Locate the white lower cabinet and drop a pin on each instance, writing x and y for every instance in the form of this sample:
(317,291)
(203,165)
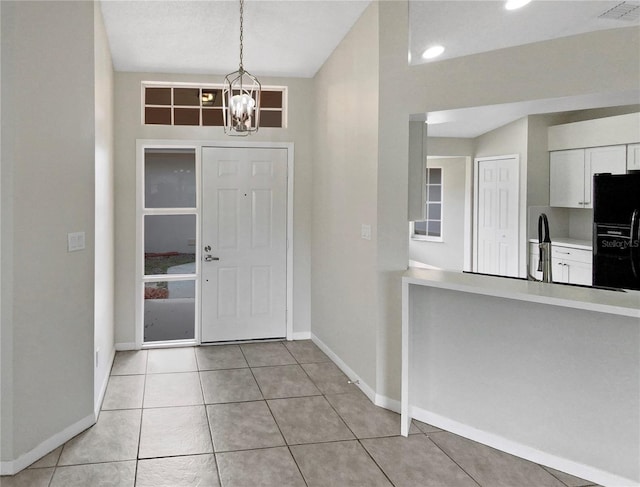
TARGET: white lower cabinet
(569,265)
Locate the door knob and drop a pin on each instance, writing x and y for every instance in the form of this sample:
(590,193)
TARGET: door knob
(210,258)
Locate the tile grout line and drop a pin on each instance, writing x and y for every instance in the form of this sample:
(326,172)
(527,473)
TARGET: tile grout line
(453,460)
(345,423)
(368,453)
(358,440)
(286,443)
(209,425)
(144,389)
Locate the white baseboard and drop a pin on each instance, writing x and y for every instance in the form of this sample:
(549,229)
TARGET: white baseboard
(586,472)
(103,387)
(12,467)
(353,377)
(387,403)
(122,347)
(301,335)
(377,399)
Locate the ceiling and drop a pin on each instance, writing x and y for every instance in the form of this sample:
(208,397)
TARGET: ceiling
(293,38)
(290,38)
(470,27)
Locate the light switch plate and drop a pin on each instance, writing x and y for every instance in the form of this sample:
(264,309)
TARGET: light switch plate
(75,241)
(365,232)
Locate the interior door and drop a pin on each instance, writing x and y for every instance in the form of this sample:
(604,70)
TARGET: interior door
(244,238)
(497,216)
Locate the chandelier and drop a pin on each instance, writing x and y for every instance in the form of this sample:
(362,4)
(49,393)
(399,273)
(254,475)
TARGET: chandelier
(241,97)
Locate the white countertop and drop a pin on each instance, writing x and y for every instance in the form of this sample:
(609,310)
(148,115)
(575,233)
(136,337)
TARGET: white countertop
(590,299)
(568,242)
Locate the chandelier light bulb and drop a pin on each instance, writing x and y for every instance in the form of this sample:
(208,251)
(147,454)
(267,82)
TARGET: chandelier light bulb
(242,107)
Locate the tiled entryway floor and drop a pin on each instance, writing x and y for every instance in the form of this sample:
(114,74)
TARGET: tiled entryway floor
(265,414)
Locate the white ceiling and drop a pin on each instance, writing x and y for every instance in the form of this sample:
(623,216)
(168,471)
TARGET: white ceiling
(470,27)
(281,38)
(293,38)
(474,121)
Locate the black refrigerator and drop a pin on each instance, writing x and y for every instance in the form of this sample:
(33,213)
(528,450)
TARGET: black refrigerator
(616,230)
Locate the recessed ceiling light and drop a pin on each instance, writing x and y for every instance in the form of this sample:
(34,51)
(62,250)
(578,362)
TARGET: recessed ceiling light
(515,4)
(433,51)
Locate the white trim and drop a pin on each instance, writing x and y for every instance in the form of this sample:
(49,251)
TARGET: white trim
(406,349)
(387,403)
(377,399)
(140,278)
(290,181)
(12,467)
(103,388)
(353,377)
(586,472)
(126,346)
(468,214)
(170,344)
(300,335)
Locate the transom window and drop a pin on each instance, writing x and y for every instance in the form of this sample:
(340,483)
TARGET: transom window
(201,105)
(431,228)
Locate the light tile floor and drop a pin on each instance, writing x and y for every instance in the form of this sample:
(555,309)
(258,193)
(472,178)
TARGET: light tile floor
(262,414)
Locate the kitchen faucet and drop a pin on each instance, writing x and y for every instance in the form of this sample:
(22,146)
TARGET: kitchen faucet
(544,244)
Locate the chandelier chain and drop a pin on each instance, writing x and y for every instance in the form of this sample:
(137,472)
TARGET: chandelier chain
(241,36)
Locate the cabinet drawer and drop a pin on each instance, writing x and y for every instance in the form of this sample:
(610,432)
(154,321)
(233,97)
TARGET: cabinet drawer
(569,253)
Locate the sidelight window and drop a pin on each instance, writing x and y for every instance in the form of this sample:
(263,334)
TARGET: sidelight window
(169,224)
(431,228)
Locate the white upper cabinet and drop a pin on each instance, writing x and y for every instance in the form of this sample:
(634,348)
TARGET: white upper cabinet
(566,177)
(633,157)
(598,160)
(571,173)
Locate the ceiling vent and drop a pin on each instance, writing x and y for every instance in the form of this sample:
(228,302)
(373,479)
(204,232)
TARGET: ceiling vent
(629,11)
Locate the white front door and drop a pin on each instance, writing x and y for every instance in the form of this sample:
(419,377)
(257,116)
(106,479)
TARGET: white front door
(244,240)
(497,216)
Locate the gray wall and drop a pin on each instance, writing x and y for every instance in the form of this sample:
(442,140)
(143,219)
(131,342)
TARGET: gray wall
(104,217)
(48,180)
(344,293)
(129,128)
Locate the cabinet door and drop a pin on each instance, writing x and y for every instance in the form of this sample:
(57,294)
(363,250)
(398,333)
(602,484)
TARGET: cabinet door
(612,159)
(559,271)
(578,272)
(566,178)
(633,157)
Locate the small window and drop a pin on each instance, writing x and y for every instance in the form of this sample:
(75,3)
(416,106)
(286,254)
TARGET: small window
(201,105)
(431,228)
